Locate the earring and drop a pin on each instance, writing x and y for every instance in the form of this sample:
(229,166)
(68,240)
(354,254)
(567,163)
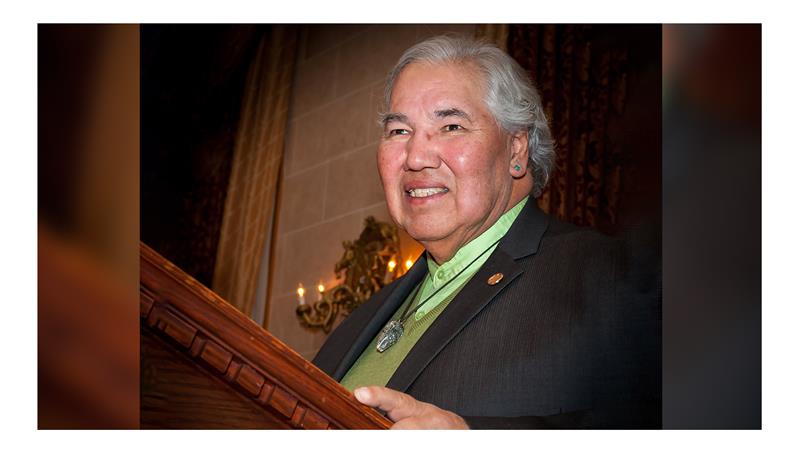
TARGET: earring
(517,167)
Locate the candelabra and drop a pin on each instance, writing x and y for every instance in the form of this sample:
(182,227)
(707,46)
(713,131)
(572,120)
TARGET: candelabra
(368,264)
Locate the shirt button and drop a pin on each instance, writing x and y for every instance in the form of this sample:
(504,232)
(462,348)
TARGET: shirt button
(440,275)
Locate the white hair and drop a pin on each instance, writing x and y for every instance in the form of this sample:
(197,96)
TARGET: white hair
(510,95)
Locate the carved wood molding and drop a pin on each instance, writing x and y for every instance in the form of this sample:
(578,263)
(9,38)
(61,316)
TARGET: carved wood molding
(214,334)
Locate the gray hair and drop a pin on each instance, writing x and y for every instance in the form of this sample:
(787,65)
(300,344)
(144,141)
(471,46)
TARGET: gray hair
(510,95)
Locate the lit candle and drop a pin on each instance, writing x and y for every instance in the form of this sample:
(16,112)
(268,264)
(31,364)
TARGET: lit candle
(387,278)
(300,292)
(321,290)
(409,263)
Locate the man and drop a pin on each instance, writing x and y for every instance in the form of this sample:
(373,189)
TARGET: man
(510,319)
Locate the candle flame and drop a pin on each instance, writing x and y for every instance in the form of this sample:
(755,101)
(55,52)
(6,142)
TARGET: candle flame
(392,265)
(409,263)
(300,290)
(321,287)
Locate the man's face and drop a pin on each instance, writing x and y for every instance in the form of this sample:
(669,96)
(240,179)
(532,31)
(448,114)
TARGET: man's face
(444,162)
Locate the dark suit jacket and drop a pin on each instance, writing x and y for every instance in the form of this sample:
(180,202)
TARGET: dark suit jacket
(560,342)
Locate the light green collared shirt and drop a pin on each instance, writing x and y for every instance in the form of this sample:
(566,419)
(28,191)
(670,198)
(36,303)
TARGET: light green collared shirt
(373,368)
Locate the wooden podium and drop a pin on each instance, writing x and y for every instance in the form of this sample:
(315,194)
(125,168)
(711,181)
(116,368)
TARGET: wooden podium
(204,364)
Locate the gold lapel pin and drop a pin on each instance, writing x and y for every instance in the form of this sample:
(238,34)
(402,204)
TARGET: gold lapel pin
(494,279)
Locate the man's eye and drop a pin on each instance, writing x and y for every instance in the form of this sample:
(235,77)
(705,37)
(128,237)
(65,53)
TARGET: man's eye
(453,127)
(397,132)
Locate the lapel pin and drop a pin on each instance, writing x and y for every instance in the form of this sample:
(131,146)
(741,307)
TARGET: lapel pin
(494,279)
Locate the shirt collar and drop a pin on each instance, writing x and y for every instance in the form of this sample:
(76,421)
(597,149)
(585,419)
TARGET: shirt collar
(466,254)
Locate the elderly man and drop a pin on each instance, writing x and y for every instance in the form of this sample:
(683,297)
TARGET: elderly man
(510,319)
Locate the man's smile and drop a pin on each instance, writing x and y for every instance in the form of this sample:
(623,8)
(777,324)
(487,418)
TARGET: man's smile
(426,192)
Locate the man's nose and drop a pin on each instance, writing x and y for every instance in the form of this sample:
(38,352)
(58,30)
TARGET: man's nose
(421,152)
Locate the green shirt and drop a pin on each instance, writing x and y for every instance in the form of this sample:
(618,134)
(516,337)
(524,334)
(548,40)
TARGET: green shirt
(373,368)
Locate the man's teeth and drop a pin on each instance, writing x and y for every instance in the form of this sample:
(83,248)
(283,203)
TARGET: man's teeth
(427,192)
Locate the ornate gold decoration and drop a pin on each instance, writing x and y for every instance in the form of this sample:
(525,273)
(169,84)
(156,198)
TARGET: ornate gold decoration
(366,268)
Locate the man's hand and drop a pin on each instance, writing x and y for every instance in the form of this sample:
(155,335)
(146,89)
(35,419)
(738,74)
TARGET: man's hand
(407,413)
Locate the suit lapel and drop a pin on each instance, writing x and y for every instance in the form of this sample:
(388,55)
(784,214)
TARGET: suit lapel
(470,301)
(522,240)
(385,309)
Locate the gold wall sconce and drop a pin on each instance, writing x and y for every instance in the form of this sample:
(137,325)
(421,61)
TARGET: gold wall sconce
(368,264)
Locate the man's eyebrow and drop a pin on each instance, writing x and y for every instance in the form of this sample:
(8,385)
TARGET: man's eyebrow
(394,117)
(452,112)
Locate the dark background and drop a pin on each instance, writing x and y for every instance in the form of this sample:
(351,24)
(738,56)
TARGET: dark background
(192,82)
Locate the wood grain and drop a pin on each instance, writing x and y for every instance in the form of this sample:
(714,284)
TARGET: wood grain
(206,365)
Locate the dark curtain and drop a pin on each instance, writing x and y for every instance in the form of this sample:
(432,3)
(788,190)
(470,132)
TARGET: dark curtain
(582,73)
(192,83)
(250,205)
(601,91)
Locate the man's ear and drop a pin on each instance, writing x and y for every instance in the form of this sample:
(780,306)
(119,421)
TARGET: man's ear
(519,154)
